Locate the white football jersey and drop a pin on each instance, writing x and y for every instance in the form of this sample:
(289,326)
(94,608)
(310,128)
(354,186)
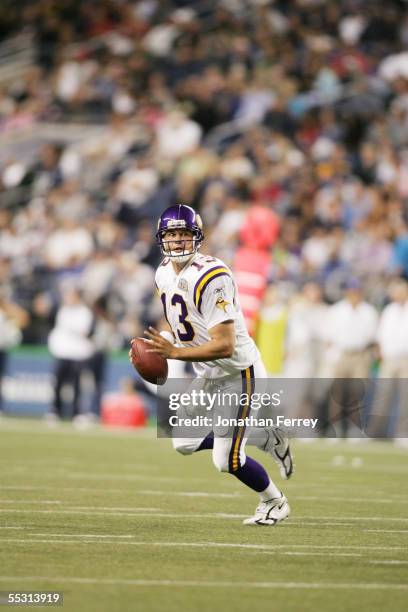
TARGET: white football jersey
(201,296)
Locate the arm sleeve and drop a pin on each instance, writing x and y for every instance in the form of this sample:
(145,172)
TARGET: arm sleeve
(218,304)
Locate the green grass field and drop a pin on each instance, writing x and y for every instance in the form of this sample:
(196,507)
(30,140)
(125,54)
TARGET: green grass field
(118,521)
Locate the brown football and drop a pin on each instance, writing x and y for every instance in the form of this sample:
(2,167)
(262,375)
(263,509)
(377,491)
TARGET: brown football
(151,367)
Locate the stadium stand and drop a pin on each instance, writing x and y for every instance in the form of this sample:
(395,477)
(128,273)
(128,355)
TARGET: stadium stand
(112,110)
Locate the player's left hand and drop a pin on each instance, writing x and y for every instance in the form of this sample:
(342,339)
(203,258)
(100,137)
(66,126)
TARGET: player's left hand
(160,345)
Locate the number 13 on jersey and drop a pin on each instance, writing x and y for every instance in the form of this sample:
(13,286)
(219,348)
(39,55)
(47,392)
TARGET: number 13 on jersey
(186,331)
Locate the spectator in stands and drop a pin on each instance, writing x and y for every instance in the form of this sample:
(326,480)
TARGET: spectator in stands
(400,255)
(98,275)
(177,135)
(68,245)
(299,108)
(305,333)
(71,346)
(134,187)
(47,174)
(304,351)
(351,326)
(104,339)
(13,319)
(133,287)
(391,386)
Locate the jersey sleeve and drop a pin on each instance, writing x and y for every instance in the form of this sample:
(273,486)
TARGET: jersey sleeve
(158,281)
(160,275)
(218,301)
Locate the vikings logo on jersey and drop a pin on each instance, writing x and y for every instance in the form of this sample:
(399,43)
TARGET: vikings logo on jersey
(221,303)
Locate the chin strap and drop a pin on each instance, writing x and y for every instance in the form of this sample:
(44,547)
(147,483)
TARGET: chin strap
(181,258)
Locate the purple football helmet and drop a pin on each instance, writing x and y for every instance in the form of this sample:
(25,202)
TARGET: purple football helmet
(175,217)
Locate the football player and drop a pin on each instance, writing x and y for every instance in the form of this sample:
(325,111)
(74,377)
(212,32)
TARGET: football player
(200,303)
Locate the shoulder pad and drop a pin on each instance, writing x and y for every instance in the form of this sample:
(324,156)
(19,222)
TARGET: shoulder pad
(210,273)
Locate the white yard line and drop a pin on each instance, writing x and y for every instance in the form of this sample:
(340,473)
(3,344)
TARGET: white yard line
(386,530)
(27,487)
(336,522)
(366,586)
(109,509)
(316,498)
(80,535)
(378,469)
(325,498)
(101,489)
(70,471)
(323,554)
(193,494)
(258,547)
(188,493)
(96,510)
(353,518)
(391,498)
(113,536)
(295,553)
(124,490)
(311,554)
(94,432)
(389,562)
(155,513)
(24,501)
(96,476)
(7,527)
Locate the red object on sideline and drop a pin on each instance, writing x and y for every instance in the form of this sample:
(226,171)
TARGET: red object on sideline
(123,410)
(260,228)
(258,234)
(251,273)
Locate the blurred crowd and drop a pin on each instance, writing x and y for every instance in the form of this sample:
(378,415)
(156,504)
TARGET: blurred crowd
(299,106)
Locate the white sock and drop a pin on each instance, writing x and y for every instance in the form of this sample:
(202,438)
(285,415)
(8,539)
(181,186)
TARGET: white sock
(271,492)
